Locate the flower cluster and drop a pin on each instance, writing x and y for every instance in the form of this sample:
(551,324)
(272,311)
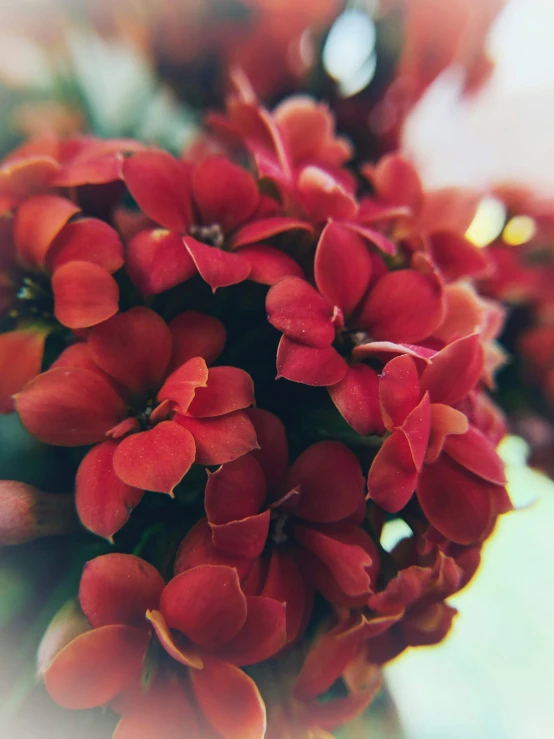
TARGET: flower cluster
(295,354)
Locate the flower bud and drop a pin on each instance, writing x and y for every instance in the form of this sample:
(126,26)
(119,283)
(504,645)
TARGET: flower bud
(27,513)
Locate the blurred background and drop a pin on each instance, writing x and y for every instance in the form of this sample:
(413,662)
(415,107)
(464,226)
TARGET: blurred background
(473,106)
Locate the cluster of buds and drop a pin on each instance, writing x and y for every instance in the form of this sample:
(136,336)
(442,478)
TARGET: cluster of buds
(296,354)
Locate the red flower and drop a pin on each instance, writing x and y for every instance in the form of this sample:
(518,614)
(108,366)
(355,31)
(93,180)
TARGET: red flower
(433,449)
(166,657)
(51,267)
(288,531)
(358,309)
(207,214)
(143,389)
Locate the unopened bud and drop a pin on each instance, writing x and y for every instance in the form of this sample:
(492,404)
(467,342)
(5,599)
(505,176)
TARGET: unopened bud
(27,513)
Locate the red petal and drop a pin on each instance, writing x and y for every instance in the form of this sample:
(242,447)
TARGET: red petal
(357,398)
(134,348)
(398,390)
(444,420)
(37,222)
(206,604)
(230,701)
(229,389)
(104,503)
(197,549)
(392,476)
(457,503)
(21,355)
(309,365)
(264,229)
(196,335)
(397,182)
(374,237)
(262,636)
(158,260)
(269,265)
(330,481)
(163,710)
(273,454)
(96,666)
(216,267)
(189,658)
(324,197)
(160,185)
(242,538)
(221,439)
(224,193)
(404,306)
(345,553)
(84,294)
(454,371)
(87,240)
(70,407)
(477,454)
(235,491)
(157,459)
(285,583)
(182,384)
(119,589)
(455,256)
(342,267)
(416,429)
(300,312)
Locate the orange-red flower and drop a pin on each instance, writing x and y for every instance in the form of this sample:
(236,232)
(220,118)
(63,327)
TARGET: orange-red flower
(166,657)
(141,391)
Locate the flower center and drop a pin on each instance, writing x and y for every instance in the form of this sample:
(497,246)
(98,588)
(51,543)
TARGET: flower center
(212,235)
(347,339)
(277,526)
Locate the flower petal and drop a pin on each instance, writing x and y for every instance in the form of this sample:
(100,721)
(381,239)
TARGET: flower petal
(323,196)
(235,491)
(224,193)
(261,230)
(392,476)
(456,502)
(157,260)
(285,583)
(454,371)
(216,267)
(84,293)
(309,365)
(87,240)
(300,312)
(181,385)
(404,306)
(329,478)
(119,589)
(262,635)
(160,185)
(21,353)
(342,267)
(477,454)
(396,181)
(206,604)
(134,348)
(156,459)
(416,428)
(93,668)
(197,548)
(196,335)
(221,439)
(37,222)
(228,389)
(104,502)
(242,538)
(164,709)
(269,265)
(188,658)
(455,256)
(230,701)
(357,398)
(398,390)
(70,407)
